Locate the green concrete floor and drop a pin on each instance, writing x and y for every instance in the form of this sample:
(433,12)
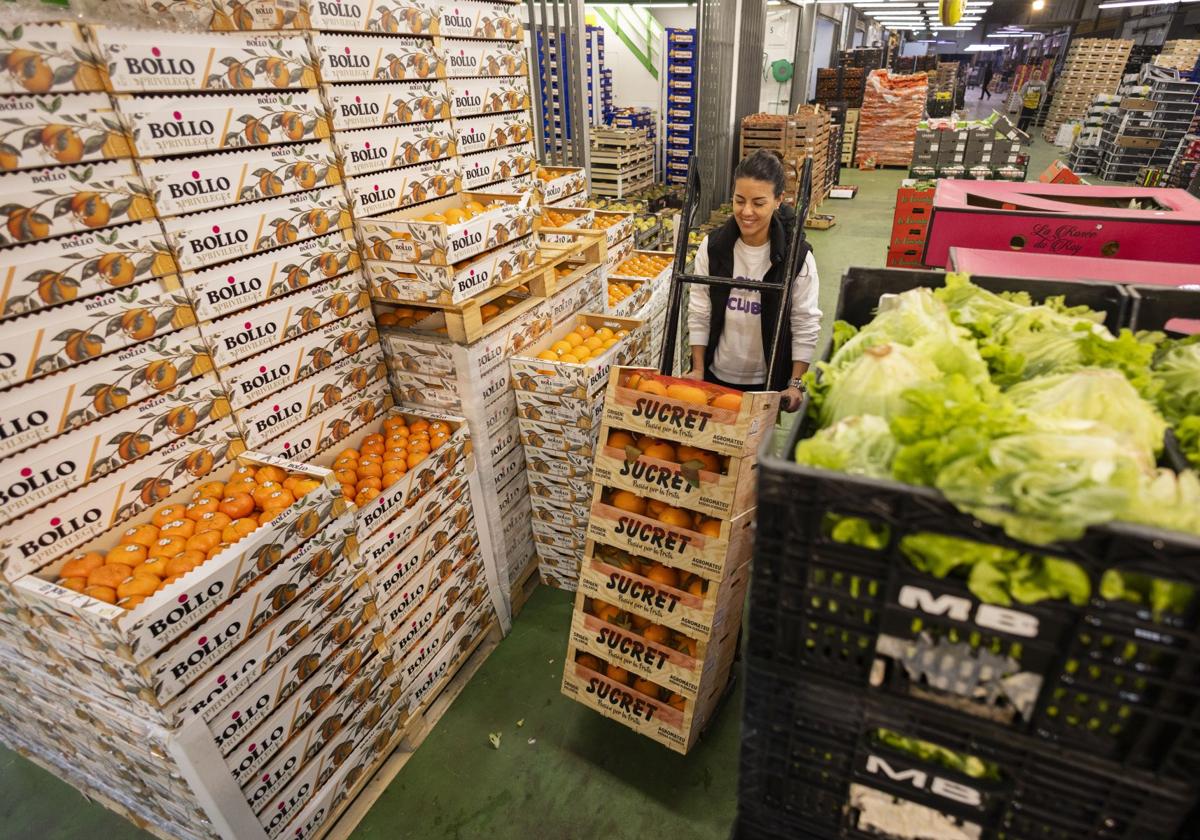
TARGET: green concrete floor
(567,773)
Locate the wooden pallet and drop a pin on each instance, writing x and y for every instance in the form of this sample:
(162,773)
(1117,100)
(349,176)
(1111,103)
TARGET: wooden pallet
(619,138)
(366,792)
(527,581)
(464,321)
(610,191)
(620,158)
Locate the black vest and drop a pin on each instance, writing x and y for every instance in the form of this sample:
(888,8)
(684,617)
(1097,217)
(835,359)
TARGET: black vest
(720,264)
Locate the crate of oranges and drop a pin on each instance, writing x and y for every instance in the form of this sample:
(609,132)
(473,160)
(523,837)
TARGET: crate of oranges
(616,225)
(706,416)
(675,473)
(683,662)
(647,706)
(575,360)
(642,266)
(143,585)
(564,218)
(385,467)
(405,282)
(653,592)
(677,536)
(448,230)
(559,182)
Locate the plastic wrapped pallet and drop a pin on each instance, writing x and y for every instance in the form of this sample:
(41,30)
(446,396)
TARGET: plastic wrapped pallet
(892,107)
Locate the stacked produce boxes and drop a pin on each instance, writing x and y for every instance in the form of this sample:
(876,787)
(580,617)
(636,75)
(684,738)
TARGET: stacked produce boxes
(555,98)
(599,78)
(559,383)
(795,137)
(841,86)
(993,148)
(1181,54)
(659,605)
(849,136)
(647,119)
(945,677)
(1093,65)
(622,161)
(892,107)
(681,114)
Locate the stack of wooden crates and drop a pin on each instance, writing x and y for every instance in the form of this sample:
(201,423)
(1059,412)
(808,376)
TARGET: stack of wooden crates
(1094,65)
(804,134)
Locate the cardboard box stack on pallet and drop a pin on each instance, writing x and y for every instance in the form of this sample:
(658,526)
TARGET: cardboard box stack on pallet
(598,82)
(560,381)
(910,224)
(682,51)
(663,580)
(647,118)
(1093,65)
(639,288)
(993,148)
(622,161)
(1143,129)
(1182,54)
(892,107)
(841,86)
(795,137)
(849,136)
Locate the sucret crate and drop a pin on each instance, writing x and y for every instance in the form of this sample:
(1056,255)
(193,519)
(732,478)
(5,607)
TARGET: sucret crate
(584,380)
(721,486)
(39,204)
(50,340)
(702,609)
(43,535)
(821,760)
(222,289)
(666,723)
(65,400)
(1111,678)
(374,149)
(725,431)
(59,59)
(201,239)
(145,61)
(373,58)
(676,661)
(450,285)
(712,556)
(407,237)
(70,460)
(268,325)
(395,103)
(172,125)
(261,375)
(87,263)
(220,179)
(40,131)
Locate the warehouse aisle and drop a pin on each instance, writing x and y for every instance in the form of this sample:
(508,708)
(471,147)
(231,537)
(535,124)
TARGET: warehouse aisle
(566,772)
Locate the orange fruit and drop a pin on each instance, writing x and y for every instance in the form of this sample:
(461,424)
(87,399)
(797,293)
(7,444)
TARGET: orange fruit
(652,386)
(110,575)
(729,402)
(167,513)
(710,461)
(203,541)
(365,496)
(237,506)
(391,477)
(710,527)
(239,528)
(183,563)
(205,504)
(270,473)
(178,528)
(665,575)
(688,394)
(75,584)
(143,584)
(624,500)
(418,426)
(145,534)
(344,476)
(654,507)
(415,458)
(214,521)
(128,554)
(168,546)
(156,566)
(677,701)
(211,490)
(438,427)
(438,439)
(587,661)
(263,491)
(573,338)
(373,448)
(585,330)
(646,687)
(280,499)
(370,469)
(604,333)
(675,517)
(107,594)
(364,483)
(660,450)
(81,564)
(618,439)
(617,674)
(348,490)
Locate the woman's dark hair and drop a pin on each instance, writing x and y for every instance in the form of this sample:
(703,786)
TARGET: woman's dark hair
(763,165)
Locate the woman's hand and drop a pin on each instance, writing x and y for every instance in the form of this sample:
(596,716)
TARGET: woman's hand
(790,398)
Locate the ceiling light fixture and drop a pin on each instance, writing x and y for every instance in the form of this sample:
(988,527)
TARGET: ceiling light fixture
(1038,5)
(1127,3)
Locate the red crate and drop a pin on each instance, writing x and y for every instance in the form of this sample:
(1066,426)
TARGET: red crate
(905,256)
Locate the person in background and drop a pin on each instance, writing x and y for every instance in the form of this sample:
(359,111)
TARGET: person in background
(731,328)
(1031,100)
(987,80)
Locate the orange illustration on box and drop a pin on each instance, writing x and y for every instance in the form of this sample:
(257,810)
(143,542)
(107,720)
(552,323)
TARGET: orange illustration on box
(230,15)
(37,58)
(79,202)
(60,130)
(124,260)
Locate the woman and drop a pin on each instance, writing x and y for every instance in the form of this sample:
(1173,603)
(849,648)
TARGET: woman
(730,328)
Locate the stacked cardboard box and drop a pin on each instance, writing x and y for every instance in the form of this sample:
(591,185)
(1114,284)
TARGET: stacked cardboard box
(841,86)
(663,580)
(1093,65)
(1181,54)
(980,149)
(682,52)
(622,161)
(849,136)
(557,408)
(910,224)
(795,137)
(892,107)
(599,78)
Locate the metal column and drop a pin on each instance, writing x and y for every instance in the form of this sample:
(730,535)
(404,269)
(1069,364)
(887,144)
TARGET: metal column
(559,88)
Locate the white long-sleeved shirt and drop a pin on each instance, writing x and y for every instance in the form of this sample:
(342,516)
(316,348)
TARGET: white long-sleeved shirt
(739,357)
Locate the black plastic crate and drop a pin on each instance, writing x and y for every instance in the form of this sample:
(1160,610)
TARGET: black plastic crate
(1110,678)
(820,758)
(1154,307)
